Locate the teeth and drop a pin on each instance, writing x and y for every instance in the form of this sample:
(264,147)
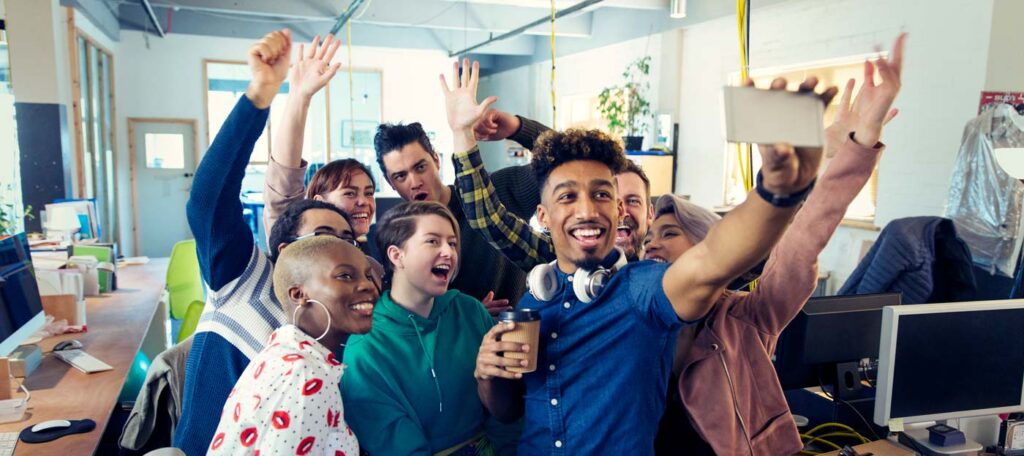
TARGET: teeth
(362,306)
(360,216)
(444,267)
(586,232)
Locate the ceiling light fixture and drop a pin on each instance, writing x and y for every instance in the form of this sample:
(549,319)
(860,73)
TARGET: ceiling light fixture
(678,9)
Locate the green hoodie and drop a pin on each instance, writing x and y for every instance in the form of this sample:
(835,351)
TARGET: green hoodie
(409,387)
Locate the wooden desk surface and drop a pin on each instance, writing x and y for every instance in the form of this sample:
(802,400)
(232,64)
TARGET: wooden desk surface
(117,324)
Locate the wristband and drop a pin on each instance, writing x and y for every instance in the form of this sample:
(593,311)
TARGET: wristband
(782,200)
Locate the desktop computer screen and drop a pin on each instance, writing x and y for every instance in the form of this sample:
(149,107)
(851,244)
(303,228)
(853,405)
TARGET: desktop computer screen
(942,361)
(827,331)
(21,309)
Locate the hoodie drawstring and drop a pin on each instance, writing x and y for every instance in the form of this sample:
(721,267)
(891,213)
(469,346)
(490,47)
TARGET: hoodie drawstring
(430,361)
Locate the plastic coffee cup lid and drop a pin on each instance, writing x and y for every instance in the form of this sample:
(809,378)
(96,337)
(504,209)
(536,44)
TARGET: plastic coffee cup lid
(521,315)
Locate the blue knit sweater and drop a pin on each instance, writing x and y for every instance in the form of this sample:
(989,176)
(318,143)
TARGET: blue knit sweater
(241,311)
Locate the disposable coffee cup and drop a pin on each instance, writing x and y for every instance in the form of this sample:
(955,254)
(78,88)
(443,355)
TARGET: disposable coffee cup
(527,331)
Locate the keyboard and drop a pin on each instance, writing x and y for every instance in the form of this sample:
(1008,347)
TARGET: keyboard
(82,361)
(7,442)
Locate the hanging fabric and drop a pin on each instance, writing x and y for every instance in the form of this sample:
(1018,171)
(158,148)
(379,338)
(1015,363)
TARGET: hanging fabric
(985,201)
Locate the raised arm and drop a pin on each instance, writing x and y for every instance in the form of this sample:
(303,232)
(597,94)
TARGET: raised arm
(505,231)
(791,273)
(286,169)
(748,233)
(223,242)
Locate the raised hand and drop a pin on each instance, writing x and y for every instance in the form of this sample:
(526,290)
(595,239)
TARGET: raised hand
(268,60)
(496,126)
(872,108)
(460,99)
(787,170)
(313,69)
(495,306)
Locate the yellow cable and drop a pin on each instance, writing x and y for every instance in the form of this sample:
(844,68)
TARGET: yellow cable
(351,89)
(822,437)
(833,445)
(554,108)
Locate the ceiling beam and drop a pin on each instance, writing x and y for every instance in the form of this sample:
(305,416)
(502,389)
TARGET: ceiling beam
(189,22)
(437,14)
(152,17)
(352,7)
(98,12)
(519,30)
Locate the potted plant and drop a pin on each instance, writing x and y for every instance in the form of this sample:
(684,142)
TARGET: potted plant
(625,107)
(9,219)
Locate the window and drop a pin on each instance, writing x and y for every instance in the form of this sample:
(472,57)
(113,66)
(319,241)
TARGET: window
(10,171)
(862,209)
(93,92)
(335,127)
(354,119)
(165,151)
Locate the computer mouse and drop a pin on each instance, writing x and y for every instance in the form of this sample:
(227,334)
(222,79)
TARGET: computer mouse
(51,425)
(67,345)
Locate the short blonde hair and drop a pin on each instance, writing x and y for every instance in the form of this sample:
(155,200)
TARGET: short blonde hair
(294,261)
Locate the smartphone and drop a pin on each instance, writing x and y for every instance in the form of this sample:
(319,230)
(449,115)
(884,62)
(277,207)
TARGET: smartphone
(759,116)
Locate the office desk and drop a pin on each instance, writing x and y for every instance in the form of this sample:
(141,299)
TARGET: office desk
(117,323)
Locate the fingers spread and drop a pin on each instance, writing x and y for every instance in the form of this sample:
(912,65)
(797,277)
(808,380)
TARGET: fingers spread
(313,47)
(332,50)
(829,94)
(779,84)
(808,85)
(444,85)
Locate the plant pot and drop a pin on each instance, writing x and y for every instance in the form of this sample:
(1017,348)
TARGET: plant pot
(633,142)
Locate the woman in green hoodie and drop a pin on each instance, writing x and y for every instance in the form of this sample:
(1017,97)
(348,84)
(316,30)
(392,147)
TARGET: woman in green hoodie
(411,378)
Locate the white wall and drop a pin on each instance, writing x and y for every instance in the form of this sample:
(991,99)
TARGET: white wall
(1005,67)
(944,71)
(165,79)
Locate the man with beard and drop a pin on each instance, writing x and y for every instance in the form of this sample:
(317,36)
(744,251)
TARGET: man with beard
(511,235)
(607,329)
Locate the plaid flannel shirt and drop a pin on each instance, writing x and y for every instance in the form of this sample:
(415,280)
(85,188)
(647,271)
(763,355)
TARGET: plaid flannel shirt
(504,230)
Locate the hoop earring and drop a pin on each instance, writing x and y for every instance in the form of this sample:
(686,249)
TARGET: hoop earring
(295,320)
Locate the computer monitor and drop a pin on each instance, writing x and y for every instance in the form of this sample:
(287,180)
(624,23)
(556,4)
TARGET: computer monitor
(827,331)
(21,309)
(942,361)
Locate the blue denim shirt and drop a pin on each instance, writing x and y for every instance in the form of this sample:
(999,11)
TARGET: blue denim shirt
(603,367)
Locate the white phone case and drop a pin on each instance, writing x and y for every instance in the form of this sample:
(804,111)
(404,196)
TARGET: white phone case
(759,116)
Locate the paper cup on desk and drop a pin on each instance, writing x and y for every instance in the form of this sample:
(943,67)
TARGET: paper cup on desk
(527,331)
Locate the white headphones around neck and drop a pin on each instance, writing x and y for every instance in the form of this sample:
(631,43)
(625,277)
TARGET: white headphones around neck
(586,284)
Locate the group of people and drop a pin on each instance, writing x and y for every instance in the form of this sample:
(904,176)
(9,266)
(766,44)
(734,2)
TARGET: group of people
(352,337)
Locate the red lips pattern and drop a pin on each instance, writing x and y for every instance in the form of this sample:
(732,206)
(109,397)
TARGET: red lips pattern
(268,413)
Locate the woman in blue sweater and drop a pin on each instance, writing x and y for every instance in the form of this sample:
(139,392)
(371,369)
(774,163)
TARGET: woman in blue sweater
(241,310)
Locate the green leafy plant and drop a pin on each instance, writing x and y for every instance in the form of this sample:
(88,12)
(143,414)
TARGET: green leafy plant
(9,218)
(625,106)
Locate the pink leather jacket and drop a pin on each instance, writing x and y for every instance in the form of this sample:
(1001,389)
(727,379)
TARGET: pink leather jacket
(727,382)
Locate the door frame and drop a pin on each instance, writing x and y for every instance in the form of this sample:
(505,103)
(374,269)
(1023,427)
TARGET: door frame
(134,171)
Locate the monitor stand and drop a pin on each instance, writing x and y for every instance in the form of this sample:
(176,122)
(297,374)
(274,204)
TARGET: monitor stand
(917,439)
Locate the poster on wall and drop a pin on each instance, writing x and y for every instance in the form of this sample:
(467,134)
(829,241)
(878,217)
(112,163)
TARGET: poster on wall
(989,99)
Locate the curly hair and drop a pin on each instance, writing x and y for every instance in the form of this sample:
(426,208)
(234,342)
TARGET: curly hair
(554,149)
(392,137)
(334,175)
(287,225)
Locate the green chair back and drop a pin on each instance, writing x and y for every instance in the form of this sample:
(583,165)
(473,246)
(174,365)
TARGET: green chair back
(184,284)
(191,320)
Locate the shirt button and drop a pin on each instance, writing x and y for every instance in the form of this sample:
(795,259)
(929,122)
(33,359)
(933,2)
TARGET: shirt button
(567,305)
(554,335)
(558,444)
(570,278)
(551,368)
(554,402)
